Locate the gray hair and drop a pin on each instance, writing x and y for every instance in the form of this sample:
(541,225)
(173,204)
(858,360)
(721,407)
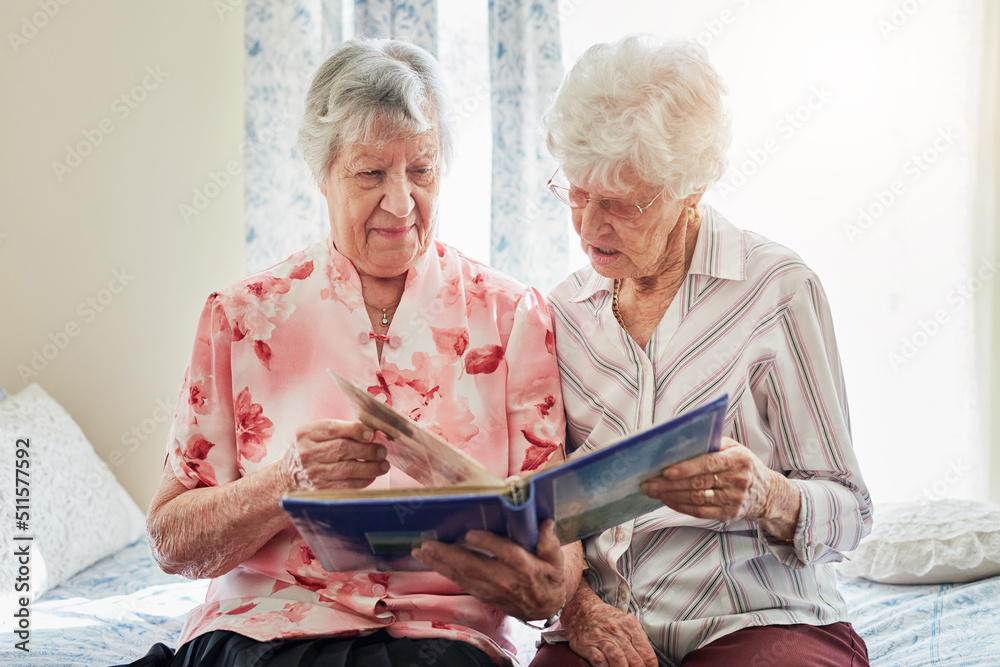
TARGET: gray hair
(645,109)
(372,91)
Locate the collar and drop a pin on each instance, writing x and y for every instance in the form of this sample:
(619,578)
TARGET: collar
(719,252)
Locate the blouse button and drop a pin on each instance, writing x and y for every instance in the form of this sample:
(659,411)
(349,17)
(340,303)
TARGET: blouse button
(363,338)
(395,341)
(378,590)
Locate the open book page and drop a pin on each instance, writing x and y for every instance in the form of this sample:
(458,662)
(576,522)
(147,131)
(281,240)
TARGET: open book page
(590,493)
(413,449)
(376,528)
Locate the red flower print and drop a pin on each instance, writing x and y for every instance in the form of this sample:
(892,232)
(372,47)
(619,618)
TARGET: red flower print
(302,271)
(194,467)
(295,611)
(306,582)
(306,555)
(381,388)
(252,427)
(451,341)
(341,289)
(477,287)
(545,405)
(483,359)
(242,609)
(204,473)
(197,398)
(258,307)
(379,578)
(538,453)
(197,447)
(263,352)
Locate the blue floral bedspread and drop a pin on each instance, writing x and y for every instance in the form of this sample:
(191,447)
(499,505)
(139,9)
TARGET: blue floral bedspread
(910,626)
(114,611)
(109,614)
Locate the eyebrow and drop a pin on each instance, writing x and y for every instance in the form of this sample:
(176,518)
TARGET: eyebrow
(591,194)
(431,152)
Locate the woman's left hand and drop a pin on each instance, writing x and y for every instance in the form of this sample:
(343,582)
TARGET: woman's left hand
(727,485)
(517,582)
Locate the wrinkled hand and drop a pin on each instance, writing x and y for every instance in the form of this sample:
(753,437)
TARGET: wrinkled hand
(333,454)
(605,635)
(739,481)
(520,584)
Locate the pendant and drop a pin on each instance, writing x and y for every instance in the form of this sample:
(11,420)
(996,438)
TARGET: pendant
(385,320)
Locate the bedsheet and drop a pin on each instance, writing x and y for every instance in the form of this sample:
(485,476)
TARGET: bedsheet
(109,614)
(914,625)
(115,610)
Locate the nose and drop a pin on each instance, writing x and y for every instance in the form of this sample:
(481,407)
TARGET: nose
(593,220)
(397,198)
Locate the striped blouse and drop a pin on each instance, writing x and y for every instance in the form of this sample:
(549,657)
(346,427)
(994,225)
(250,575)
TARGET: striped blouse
(751,320)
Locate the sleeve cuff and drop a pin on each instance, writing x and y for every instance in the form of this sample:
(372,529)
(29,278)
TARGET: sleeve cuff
(815,519)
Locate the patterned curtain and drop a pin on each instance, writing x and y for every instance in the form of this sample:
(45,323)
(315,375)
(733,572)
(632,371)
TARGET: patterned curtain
(528,239)
(416,20)
(285,43)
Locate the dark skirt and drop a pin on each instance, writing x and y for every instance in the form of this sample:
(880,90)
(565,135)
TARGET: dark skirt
(228,649)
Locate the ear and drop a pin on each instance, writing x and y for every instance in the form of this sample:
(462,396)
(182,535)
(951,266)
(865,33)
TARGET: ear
(692,201)
(324,181)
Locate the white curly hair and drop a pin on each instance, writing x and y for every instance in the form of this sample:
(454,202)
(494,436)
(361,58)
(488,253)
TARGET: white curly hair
(642,109)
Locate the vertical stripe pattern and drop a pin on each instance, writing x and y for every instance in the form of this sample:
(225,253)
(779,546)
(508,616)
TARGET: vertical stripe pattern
(751,320)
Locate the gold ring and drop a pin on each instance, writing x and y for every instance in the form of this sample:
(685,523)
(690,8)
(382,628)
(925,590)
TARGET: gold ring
(716,481)
(709,496)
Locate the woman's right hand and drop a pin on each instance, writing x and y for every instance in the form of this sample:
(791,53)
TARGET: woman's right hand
(605,635)
(333,454)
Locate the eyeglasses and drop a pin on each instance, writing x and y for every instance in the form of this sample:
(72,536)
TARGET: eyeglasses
(574,197)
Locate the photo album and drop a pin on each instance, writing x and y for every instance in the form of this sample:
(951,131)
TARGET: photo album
(376,529)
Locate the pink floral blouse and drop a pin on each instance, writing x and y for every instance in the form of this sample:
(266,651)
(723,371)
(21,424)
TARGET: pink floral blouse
(470,356)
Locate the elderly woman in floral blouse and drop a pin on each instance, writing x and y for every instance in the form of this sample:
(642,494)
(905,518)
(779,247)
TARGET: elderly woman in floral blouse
(448,341)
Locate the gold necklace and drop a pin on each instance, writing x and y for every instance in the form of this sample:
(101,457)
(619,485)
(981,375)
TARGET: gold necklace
(385,316)
(615,309)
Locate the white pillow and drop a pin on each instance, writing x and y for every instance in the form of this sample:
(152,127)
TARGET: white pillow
(77,511)
(929,542)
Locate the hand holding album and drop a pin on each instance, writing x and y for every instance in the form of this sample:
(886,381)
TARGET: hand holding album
(375,529)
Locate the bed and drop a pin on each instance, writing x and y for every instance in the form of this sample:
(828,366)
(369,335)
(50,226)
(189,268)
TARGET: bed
(113,611)
(113,608)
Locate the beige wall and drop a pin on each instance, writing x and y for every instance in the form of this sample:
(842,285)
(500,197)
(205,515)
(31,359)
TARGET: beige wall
(99,271)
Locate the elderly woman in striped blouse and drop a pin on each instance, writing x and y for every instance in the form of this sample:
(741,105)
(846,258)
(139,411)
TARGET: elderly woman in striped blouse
(678,307)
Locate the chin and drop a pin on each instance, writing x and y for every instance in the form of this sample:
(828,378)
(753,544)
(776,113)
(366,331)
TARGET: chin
(616,270)
(393,263)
